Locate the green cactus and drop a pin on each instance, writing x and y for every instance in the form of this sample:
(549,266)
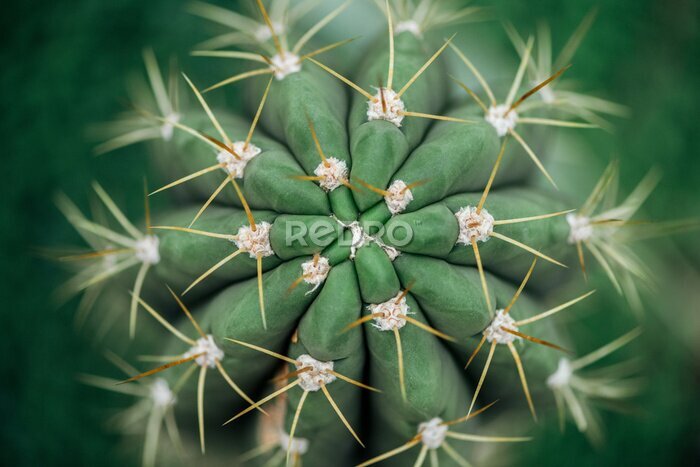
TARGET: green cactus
(358,252)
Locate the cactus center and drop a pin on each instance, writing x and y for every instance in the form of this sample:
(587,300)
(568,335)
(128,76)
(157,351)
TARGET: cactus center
(386,105)
(495,333)
(334,173)
(263,33)
(298,446)
(474,225)
(411,26)
(161,394)
(360,238)
(206,346)
(317,373)
(285,65)
(255,242)
(580,228)
(147,249)
(235,166)
(432,433)
(398,197)
(562,377)
(501,119)
(315,271)
(167,128)
(390,314)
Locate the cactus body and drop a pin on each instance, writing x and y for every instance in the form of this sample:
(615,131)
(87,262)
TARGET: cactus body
(363,248)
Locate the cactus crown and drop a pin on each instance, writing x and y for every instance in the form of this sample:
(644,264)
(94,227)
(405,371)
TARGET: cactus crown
(368,245)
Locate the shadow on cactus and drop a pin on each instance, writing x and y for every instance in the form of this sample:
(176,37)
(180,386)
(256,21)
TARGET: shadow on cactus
(348,256)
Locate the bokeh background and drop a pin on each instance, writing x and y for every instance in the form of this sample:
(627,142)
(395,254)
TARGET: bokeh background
(64,65)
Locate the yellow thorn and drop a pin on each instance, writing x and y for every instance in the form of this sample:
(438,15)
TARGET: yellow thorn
(200,404)
(209,201)
(263,401)
(175,332)
(343,79)
(482,276)
(534,157)
(353,382)
(429,329)
(538,87)
(470,416)
(507,309)
(435,117)
(360,321)
(264,350)
(492,177)
(317,143)
(161,368)
(526,248)
(390,78)
(275,38)
(212,269)
(392,453)
(554,310)
(534,339)
(372,188)
(261,295)
(424,67)
(476,73)
(532,218)
(208,111)
(325,49)
(188,178)
(340,413)
(244,202)
(399,352)
(240,77)
(482,377)
(258,113)
(196,232)
(476,352)
(187,312)
(294,423)
(138,285)
(523,380)
(234,386)
(471,93)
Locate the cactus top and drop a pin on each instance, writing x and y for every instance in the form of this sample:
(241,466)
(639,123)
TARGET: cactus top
(316,373)
(256,242)
(474,225)
(315,271)
(432,433)
(210,352)
(235,166)
(502,118)
(297,446)
(147,249)
(386,105)
(161,394)
(580,228)
(562,376)
(285,65)
(398,197)
(333,172)
(391,313)
(495,333)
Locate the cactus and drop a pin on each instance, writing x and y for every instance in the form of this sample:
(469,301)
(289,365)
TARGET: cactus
(358,252)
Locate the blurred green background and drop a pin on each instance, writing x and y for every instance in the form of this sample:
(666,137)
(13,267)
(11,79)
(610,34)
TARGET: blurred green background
(64,64)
